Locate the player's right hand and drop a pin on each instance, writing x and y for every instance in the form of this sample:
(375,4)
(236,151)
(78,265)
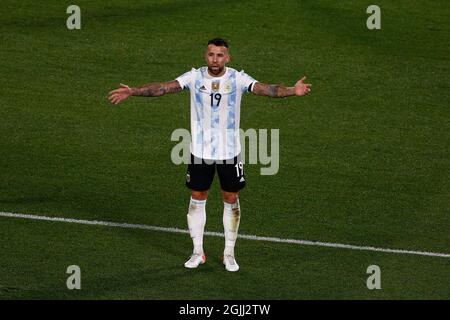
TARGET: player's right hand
(302,88)
(118,95)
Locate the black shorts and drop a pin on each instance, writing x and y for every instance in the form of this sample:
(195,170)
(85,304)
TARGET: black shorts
(200,174)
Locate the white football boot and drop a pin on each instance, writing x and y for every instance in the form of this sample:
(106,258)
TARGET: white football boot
(195,260)
(230,263)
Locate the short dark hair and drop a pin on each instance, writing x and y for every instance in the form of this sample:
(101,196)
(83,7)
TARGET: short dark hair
(218,42)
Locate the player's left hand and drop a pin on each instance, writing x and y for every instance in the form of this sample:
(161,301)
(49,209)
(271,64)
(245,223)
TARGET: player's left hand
(302,88)
(118,95)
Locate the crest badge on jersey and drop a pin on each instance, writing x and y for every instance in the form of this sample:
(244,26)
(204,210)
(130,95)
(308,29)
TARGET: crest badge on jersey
(215,85)
(227,87)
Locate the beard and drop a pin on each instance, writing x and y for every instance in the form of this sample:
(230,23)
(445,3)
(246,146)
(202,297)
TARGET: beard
(215,70)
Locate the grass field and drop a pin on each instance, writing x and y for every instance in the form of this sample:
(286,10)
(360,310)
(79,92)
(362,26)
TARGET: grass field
(364,159)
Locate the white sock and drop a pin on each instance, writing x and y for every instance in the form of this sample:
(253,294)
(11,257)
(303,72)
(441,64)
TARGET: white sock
(196,219)
(231,218)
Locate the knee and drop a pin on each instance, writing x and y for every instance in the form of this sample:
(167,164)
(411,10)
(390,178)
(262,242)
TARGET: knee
(199,195)
(230,197)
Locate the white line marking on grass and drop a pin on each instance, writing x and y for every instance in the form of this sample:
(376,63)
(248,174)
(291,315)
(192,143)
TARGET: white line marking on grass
(218,234)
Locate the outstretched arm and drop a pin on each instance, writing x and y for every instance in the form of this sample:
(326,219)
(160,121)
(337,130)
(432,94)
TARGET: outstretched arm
(149,90)
(278,91)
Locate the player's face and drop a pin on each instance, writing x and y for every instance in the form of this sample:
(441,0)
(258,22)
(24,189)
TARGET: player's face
(216,58)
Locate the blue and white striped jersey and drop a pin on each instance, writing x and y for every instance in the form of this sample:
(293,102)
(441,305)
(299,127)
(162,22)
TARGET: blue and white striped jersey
(215,111)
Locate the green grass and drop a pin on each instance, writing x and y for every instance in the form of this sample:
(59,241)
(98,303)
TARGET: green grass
(363,159)
(133,264)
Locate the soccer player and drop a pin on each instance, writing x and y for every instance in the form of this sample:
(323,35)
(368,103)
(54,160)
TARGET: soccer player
(216,92)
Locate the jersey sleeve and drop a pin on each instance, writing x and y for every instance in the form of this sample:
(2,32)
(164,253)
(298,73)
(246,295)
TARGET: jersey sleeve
(186,80)
(246,82)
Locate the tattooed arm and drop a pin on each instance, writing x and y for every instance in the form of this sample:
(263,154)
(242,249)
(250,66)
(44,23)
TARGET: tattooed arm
(278,91)
(149,90)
